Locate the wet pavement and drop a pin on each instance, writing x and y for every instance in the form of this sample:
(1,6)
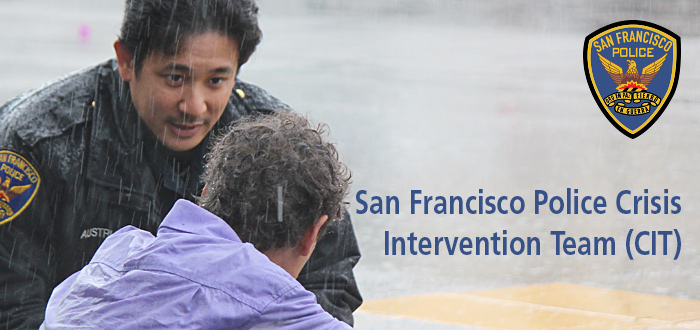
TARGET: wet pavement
(448,98)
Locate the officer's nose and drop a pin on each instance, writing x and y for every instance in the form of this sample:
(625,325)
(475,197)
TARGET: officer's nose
(193,102)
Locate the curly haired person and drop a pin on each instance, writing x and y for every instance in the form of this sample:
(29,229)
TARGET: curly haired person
(273,184)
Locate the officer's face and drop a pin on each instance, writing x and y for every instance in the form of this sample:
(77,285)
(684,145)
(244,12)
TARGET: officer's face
(181,97)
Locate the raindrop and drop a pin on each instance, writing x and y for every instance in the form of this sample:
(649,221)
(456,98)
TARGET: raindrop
(280,203)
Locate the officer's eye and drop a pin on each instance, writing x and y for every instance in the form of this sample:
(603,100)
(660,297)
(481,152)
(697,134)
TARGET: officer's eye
(174,79)
(217,81)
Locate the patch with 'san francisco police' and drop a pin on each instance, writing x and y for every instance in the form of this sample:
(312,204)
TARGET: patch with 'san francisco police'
(632,70)
(19,183)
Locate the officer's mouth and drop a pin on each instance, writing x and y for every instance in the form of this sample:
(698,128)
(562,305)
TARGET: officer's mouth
(184,130)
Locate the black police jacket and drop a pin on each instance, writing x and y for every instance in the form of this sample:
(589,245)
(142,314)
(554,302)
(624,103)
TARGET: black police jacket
(84,139)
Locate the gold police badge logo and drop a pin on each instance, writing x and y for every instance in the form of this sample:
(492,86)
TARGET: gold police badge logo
(632,70)
(19,183)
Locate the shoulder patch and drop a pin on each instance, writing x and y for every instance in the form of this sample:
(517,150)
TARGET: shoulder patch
(19,183)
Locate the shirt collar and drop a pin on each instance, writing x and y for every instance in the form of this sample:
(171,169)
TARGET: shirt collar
(188,217)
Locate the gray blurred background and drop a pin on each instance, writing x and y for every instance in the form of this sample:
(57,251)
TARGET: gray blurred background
(448,97)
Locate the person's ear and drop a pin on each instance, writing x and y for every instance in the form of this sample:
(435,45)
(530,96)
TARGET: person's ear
(308,241)
(125,59)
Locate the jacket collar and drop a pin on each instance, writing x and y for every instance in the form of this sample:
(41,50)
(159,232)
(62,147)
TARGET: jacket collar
(115,149)
(116,90)
(187,217)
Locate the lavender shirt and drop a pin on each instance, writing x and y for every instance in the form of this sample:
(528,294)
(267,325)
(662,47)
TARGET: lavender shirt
(195,274)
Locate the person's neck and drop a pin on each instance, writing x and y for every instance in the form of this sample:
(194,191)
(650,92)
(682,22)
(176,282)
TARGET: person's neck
(288,258)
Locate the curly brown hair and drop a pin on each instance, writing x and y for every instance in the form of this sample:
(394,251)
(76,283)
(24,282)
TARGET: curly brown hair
(261,156)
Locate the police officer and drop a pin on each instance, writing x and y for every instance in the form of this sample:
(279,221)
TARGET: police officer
(117,144)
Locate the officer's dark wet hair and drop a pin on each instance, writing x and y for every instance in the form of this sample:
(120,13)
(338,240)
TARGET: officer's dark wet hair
(161,25)
(247,166)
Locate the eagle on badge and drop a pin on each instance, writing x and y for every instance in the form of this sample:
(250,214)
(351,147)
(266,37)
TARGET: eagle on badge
(631,80)
(7,192)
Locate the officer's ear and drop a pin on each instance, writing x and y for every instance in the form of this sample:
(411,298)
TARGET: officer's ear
(125,59)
